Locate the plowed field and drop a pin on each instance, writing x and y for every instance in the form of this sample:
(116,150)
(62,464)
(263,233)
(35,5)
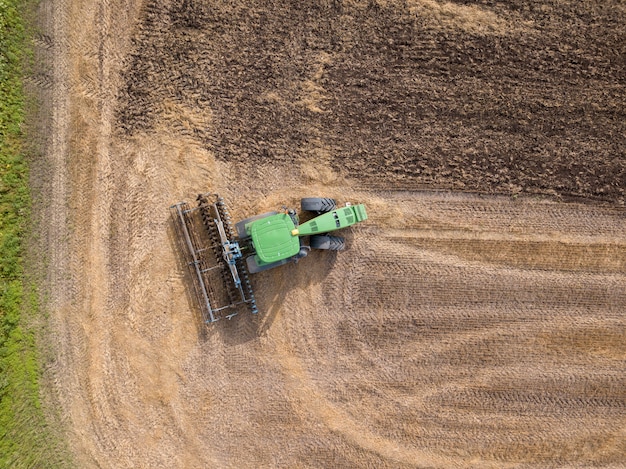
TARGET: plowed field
(475,320)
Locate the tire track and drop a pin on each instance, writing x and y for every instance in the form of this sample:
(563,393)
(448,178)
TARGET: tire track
(443,333)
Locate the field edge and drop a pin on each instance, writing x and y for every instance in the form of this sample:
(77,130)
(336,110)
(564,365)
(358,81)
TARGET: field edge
(29,437)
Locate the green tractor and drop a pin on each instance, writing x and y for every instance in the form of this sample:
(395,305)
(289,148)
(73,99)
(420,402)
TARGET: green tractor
(253,245)
(274,239)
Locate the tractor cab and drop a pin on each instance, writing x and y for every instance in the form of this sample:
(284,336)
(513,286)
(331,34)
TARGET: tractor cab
(273,238)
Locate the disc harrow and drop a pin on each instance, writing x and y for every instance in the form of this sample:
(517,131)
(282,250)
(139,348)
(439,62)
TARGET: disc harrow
(219,276)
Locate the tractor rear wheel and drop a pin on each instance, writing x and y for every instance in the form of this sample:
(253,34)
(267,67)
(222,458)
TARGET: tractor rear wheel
(318,204)
(331,243)
(255,268)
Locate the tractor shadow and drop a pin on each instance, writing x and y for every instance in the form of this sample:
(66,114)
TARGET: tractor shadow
(272,290)
(276,287)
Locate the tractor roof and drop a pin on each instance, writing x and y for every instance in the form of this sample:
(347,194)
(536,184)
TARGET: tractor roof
(272,238)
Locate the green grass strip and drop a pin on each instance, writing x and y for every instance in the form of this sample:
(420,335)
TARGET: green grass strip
(26,441)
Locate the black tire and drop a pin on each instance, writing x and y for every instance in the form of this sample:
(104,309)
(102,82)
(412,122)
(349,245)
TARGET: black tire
(255,268)
(240,227)
(330,243)
(318,204)
(304,251)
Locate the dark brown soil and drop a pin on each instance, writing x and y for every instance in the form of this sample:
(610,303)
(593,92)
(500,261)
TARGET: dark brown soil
(534,102)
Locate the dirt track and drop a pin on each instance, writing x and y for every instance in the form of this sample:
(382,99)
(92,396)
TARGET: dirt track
(457,330)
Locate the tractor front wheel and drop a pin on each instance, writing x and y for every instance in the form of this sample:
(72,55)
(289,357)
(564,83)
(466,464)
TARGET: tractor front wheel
(331,243)
(318,204)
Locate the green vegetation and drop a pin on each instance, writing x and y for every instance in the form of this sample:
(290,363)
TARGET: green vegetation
(25,438)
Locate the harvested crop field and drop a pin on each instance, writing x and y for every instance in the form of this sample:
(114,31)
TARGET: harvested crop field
(475,320)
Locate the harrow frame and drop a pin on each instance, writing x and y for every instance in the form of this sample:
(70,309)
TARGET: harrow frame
(221,281)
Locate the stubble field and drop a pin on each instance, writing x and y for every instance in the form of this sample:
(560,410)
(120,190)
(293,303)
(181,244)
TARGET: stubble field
(476,319)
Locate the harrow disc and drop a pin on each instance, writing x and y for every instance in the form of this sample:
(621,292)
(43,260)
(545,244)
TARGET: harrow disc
(220,279)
